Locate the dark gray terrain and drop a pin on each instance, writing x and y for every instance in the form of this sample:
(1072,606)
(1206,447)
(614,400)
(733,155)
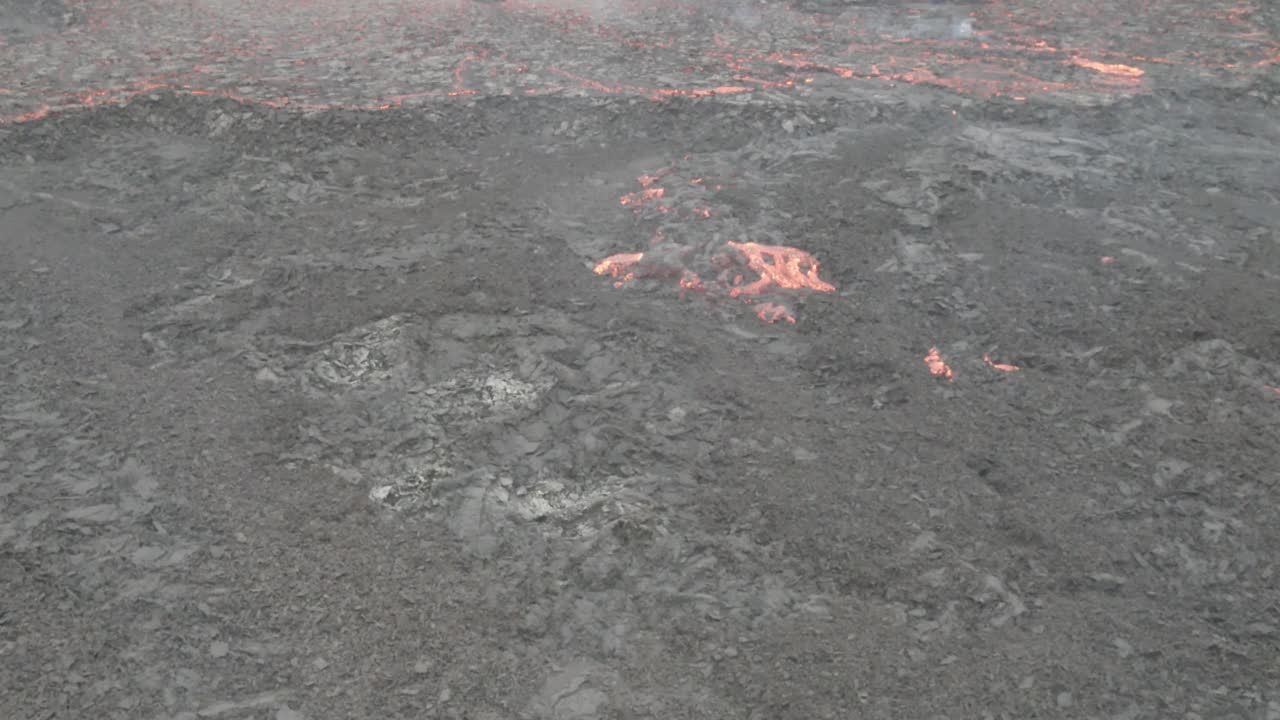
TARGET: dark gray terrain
(313,412)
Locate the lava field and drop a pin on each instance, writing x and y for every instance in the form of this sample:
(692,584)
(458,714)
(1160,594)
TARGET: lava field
(534,360)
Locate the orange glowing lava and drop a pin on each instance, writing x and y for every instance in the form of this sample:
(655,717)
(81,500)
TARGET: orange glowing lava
(644,196)
(1114,69)
(937,367)
(654,197)
(1002,367)
(621,267)
(773,312)
(777,268)
(381,54)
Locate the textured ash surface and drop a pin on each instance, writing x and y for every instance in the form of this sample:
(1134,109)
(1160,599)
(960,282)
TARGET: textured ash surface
(326,416)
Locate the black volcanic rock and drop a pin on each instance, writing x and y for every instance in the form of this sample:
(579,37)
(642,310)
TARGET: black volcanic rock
(22,20)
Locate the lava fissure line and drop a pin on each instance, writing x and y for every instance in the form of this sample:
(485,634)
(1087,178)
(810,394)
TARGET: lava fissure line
(999,49)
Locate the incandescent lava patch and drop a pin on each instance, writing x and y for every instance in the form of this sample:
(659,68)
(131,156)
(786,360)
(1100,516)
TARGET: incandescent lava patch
(750,272)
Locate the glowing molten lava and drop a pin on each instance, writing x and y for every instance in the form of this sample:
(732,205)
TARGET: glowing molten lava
(937,367)
(620,267)
(772,312)
(776,267)
(653,197)
(380,54)
(644,196)
(1113,69)
(1002,367)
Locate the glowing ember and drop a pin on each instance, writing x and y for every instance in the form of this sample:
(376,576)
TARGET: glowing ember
(1002,367)
(937,367)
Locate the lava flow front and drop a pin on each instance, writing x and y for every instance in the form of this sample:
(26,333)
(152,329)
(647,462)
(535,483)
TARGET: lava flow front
(380,54)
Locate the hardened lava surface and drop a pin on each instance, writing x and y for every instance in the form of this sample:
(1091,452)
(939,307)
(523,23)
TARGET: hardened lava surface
(856,398)
(372,54)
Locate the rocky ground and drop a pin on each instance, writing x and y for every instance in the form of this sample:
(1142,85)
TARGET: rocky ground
(324,414)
